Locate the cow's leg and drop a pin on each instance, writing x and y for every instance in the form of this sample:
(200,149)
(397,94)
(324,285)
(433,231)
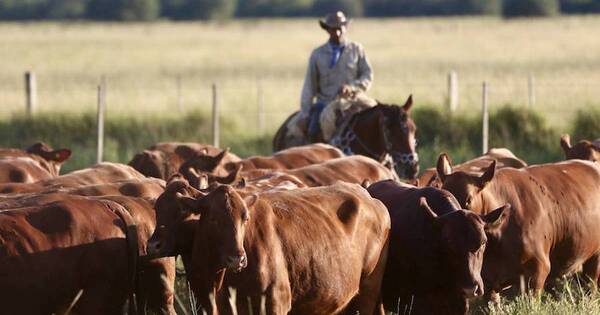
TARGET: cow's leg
(369,299)
(538,271)
(591,269)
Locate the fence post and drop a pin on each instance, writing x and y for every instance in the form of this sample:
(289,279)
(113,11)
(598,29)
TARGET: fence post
(215,116)
(485,115)
(30,92)
(452,91)
(261,108)
(101,108)
(531,90)
(179,94)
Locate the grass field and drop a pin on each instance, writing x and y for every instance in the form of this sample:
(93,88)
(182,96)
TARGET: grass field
(141,64)
(142,61)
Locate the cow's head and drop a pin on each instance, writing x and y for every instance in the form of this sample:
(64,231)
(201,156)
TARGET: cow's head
(175,221)
(583,150)
(224,216)
(53,159)
(467,188)
(150,163)
(461,239)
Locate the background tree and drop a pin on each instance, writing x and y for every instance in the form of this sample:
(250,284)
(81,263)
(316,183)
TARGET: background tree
(352,8)
(65,9)
(515,8)
(212,9)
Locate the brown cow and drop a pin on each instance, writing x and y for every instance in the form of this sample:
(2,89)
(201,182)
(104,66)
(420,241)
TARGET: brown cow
(552,228)
(352,169)
(288,247)
(51,252)
(101,173)
(163,160)
(35,163)
(286,159)
(147,188)
(583,150)
(435,252)
(502,156)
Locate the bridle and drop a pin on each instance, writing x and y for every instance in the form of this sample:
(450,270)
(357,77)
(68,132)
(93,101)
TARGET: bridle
(397,160)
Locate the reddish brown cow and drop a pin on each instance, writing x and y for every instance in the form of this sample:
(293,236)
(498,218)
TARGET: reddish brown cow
(163,160)
(37,162)
(552,228)
(50,252)
(98,174)
(502,156)
(583,150)
(287,247)
(354,169)
(286,159)
(435,252)
(147,188)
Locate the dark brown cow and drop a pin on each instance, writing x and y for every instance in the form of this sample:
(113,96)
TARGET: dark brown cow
(163,160)
(287,159)
(583,150)
(98,174)
(502,156)
(354,169)
(37,162)
(289,247)
(50,252)
(435,252)
(552,228)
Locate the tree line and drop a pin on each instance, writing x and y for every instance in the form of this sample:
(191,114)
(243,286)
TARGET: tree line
(146,10)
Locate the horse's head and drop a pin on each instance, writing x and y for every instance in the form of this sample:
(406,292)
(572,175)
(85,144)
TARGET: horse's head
(398,131)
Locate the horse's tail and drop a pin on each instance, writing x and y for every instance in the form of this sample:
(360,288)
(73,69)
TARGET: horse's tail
(279,138)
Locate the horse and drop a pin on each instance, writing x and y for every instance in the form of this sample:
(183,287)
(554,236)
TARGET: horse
(384,132)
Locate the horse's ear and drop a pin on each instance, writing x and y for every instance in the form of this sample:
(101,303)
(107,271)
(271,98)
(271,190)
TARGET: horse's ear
(408,104)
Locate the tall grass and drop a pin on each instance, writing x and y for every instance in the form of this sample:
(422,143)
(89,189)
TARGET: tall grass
(141,63)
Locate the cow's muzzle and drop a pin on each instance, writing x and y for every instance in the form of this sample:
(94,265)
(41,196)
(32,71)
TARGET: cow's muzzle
(236,262)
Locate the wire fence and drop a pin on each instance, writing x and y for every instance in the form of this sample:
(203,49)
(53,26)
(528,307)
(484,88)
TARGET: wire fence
(264,104)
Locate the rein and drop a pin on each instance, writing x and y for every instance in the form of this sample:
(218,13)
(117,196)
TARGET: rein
(344,139)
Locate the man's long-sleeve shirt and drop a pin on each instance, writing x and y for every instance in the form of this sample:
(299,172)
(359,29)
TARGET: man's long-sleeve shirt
(324,82)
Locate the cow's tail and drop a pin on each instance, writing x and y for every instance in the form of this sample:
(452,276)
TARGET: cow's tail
(132,253)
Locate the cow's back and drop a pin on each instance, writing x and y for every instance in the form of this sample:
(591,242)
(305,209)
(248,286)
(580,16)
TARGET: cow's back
(50,252)
(344,227)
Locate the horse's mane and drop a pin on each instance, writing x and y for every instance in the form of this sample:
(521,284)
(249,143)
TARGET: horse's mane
(395,113)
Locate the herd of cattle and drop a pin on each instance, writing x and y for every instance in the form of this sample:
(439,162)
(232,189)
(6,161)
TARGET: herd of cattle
(307,230)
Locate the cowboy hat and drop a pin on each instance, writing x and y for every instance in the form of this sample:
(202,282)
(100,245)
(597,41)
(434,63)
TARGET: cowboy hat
(334,20)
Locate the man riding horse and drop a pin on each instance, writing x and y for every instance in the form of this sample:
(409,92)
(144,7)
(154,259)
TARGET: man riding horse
(338,68)
(336,110)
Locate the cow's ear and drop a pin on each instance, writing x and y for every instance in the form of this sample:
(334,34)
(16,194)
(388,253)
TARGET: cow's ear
(250,200)
(444,166)
(233,177)
(431,216)
(488,175)
(565,143)
(60,156)
(494,219)
(408,104)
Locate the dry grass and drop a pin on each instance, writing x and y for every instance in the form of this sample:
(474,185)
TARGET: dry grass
(141,62)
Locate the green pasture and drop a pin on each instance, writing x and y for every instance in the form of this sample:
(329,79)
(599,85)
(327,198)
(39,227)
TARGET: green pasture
(253,60)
